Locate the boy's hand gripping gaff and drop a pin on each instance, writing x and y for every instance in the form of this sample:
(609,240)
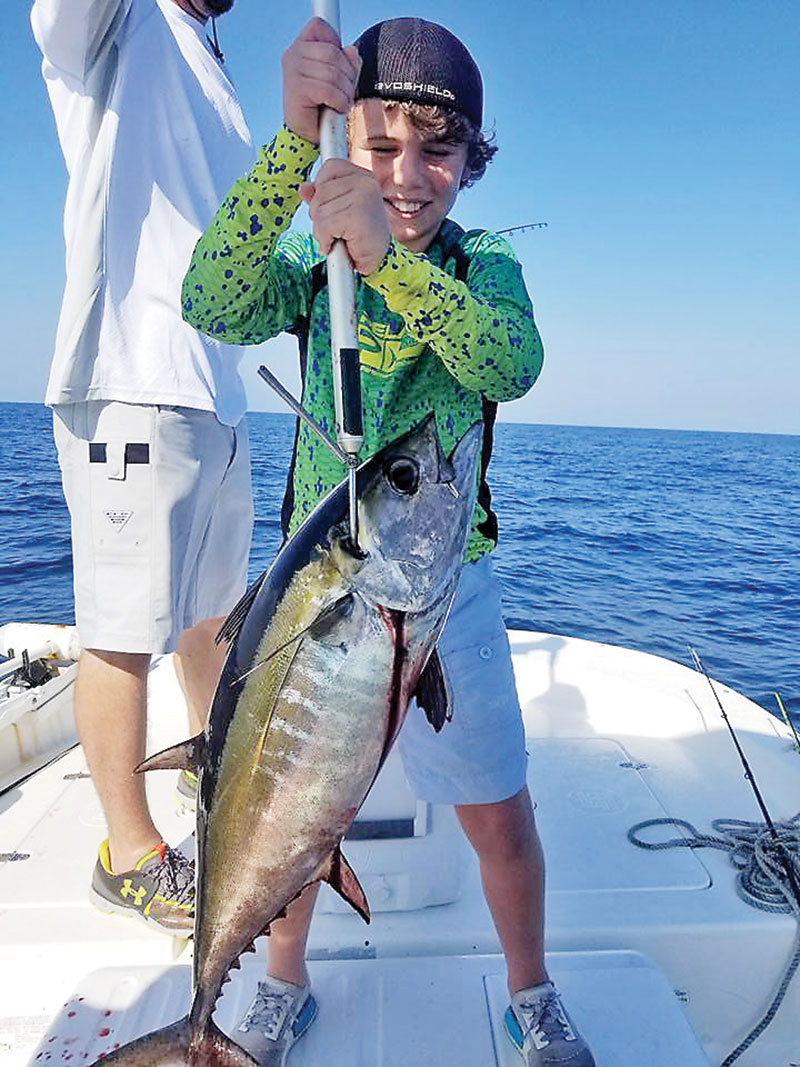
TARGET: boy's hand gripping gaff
(342,295)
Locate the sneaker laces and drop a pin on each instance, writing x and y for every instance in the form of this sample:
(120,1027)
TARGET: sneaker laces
(545,1018)
(174,875)
(268,1012)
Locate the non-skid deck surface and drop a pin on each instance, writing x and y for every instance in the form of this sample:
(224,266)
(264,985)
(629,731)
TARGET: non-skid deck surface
(395,1013)
(605,753)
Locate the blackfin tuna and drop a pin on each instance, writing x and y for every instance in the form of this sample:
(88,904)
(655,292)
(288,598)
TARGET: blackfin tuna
(327,648)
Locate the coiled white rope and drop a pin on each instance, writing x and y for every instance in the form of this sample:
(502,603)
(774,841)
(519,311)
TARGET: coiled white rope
(761,881)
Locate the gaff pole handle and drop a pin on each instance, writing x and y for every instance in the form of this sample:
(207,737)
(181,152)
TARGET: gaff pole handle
(341,282)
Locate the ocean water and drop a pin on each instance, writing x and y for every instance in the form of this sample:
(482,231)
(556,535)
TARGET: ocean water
(650,539)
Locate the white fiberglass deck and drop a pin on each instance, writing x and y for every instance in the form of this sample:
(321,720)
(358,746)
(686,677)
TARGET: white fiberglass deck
(392,1013)
(615,737)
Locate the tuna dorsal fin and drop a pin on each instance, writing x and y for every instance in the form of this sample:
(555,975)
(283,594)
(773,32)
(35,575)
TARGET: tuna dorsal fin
(182,757)
(338,873)
(432,694)
(233,624)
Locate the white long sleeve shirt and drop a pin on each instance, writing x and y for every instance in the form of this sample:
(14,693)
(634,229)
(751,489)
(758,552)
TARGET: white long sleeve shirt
(153,136)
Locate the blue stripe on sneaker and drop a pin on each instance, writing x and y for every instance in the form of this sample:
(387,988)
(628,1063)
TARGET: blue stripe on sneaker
(513,1029)
(305,1016)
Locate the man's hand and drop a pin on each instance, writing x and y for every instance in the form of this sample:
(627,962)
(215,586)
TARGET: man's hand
(345,202)
(317,72)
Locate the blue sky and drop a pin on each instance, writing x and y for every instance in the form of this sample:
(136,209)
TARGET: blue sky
(660,141)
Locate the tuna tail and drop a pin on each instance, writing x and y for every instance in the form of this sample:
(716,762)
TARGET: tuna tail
(179,1044)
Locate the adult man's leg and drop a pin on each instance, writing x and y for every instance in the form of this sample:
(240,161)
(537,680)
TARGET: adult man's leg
(198,664)
(136,871)
(161,518)
(111,718)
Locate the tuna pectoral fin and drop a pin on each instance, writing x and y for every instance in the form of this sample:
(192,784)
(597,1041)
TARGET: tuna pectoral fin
(321,625)
(185,756)
(234,622)
(338,873)
(432,694)
(179,1044)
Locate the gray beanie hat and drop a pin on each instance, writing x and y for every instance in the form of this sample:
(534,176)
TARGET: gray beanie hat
(412,59)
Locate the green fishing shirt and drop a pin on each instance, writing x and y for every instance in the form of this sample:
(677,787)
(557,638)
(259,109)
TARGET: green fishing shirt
(427,341)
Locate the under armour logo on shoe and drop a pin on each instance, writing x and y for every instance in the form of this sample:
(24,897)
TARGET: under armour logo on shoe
(137,894)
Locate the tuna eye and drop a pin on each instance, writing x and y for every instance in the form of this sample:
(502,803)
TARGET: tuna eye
(403,476)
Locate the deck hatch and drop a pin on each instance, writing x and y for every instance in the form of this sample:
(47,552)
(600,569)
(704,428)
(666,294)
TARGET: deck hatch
(599,792)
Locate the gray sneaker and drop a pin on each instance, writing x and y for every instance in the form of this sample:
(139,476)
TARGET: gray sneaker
(159,889)
(542,1032)
(279,1015)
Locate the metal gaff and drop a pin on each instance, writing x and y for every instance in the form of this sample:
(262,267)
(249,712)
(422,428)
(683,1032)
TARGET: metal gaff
(342,296)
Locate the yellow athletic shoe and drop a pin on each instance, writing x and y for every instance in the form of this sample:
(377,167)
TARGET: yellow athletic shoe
(159,889)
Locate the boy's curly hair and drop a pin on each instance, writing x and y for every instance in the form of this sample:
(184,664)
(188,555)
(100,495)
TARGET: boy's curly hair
(444,124)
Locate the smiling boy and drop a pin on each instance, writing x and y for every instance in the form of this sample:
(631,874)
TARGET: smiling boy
(445,326)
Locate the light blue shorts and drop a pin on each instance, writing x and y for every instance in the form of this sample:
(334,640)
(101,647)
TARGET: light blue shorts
(479,757)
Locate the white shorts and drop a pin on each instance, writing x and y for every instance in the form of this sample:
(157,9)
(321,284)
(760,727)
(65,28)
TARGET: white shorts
(479,757)
(162,514)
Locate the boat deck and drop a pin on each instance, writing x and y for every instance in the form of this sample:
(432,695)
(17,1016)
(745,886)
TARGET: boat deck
(661,962)
(391,1013)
